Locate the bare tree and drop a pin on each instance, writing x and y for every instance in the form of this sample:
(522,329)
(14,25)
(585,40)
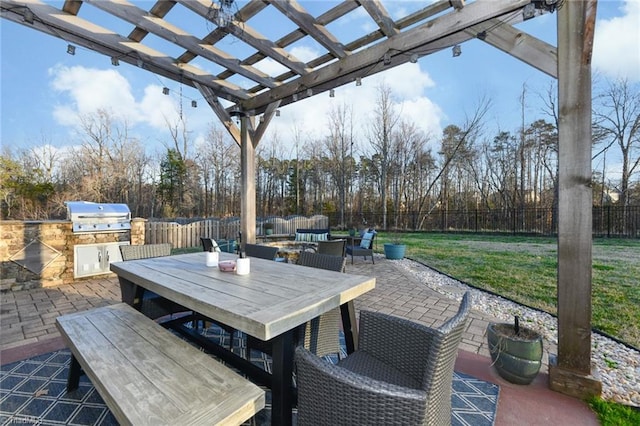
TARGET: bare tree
(617,119)
(380,133)
(461,137)
(339,145)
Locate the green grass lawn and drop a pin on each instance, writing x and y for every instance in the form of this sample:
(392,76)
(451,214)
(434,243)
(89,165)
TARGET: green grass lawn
(525,269)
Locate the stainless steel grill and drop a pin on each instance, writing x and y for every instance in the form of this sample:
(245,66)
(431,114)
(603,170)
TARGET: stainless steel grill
(96,217)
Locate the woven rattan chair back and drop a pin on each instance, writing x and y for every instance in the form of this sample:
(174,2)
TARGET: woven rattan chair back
(151,304)
(146,251)
(262,252)
(333,247)
(321,335)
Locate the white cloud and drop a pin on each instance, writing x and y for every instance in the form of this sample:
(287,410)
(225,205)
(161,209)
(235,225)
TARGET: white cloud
(157,108)
(304,53)
(615,52)
(90,89)
(406,81)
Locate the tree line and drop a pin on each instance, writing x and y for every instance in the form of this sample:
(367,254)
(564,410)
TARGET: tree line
(387,169)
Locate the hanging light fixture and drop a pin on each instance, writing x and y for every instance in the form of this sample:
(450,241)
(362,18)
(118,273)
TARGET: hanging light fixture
(358,81)
(457,50)
(194,104)
(387,58)
(294,97)
(165,90)
(71,49)
(332,93)
(414,58)
(114,61)
(221,12)
(277,113)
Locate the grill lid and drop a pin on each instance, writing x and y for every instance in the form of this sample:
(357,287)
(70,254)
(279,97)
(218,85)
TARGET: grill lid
(98,217)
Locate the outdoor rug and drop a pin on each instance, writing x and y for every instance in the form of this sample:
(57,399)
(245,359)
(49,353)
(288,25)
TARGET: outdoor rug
(33,392)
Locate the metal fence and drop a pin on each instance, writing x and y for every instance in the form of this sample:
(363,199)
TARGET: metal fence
(608,221)
(183,233)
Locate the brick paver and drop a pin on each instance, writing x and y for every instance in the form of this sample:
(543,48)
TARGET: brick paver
(28,316)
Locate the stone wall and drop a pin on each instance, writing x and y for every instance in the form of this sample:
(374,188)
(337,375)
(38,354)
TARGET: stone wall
(41,254)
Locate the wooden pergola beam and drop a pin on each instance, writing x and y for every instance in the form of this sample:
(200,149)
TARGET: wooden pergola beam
(220,112)
(378,13)
(307,23)
(146,21)
(413,39)
(253,38)
(518,44)
(94,37)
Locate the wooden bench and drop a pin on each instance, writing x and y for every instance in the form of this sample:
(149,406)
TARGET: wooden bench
(148,376)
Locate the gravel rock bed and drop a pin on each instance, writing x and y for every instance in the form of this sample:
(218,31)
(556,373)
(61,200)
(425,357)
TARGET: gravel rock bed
(617,365)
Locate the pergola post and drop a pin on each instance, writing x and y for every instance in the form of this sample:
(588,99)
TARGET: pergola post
(248,179)
(572,374)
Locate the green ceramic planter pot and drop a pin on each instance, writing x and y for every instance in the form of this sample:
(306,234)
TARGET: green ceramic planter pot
(394,251)
(516,358)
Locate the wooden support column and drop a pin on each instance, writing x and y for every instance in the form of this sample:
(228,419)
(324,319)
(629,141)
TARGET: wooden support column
(572,373)
(248,181)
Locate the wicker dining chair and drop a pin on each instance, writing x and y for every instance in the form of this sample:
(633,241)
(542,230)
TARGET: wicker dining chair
(208,244)
(333,247)
(401,374)
(262,252)
(152,305)
(321,335)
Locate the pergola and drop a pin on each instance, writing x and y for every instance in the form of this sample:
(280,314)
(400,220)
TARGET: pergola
(250,92)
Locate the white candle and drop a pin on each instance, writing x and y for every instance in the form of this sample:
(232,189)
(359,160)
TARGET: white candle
(243,266)
(212,259)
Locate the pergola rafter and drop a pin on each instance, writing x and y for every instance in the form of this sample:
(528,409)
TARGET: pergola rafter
(435,27)
(251,91)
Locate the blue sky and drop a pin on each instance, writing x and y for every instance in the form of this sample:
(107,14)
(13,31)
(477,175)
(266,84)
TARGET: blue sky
(44,89)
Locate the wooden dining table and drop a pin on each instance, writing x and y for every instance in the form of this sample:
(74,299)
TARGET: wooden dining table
(269,303)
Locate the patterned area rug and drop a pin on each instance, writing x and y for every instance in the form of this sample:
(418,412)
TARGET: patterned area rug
(33,392)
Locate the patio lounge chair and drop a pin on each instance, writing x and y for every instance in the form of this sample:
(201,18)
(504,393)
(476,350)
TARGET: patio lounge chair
(365,248)
(151,305)
(321,334)
(401,372)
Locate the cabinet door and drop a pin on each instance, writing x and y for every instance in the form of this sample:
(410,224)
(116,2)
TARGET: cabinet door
(95,259)
(112,254)
(88,260)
